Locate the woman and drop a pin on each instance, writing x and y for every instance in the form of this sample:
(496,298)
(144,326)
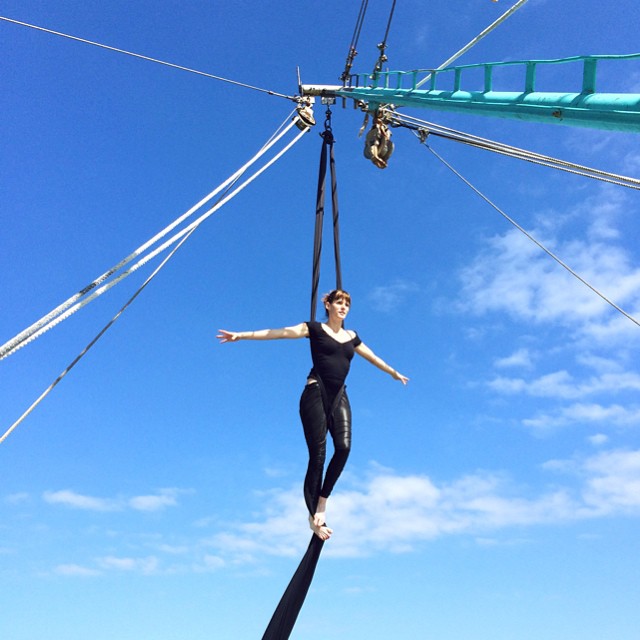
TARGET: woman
(324,405)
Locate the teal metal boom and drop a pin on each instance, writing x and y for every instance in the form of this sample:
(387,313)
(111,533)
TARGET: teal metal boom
(586,108)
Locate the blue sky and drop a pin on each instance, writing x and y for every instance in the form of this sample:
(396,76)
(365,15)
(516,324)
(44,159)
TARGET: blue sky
(156,493)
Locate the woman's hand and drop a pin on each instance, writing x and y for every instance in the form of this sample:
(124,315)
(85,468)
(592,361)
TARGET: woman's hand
(399,376)
(367,354)
(227,336)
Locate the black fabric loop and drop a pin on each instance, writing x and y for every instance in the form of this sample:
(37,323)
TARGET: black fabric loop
(327,141)
(336,218)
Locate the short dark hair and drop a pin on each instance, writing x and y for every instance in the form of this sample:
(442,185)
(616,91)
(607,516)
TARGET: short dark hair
(337,294)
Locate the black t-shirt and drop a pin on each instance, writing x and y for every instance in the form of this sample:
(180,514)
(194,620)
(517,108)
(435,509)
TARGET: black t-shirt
(331,359)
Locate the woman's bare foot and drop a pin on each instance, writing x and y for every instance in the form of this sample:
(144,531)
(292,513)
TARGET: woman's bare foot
(321,510)
(321,530)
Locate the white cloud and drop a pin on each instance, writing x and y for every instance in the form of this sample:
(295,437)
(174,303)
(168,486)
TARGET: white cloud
(388,297)
(275,472)
(615,329)
(393,513)
(209,563)
(164,498)
(75,570)
(388,512)
(78,501)
(246,542)
(173,549)
(614,482)
(191,555)
(561,384)
(17,498)
(146,565)
(597,143)
(603,212)
(514,276)
(631,161)
(520,358)
(581,413)
(153,502)
(599,363)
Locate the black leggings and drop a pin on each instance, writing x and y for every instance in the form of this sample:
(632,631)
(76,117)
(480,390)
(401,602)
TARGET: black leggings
(316,424)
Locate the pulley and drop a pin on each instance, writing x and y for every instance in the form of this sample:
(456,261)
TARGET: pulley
(305,119)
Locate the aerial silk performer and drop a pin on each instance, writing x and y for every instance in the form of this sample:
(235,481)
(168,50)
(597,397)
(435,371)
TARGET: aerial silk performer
(324,407)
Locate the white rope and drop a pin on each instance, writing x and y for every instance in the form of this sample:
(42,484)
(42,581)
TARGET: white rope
(185,234)
(475,41)
(156,251)
(36,328)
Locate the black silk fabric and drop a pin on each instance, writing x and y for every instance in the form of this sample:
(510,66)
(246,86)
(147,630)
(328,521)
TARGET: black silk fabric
(288,608)
(286,613)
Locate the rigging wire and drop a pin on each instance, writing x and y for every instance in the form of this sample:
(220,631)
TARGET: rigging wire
(73,304)
(188,231)
(386,33)
(429,128)
(353,52)
(149,59)
(532,238)
(472,43)
(382,58)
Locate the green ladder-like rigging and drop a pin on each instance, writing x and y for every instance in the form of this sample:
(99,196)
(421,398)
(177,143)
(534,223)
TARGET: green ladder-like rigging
(587,108)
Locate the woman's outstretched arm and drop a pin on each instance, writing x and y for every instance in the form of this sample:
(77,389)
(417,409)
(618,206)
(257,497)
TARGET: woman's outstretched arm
(375,360)
(298,331)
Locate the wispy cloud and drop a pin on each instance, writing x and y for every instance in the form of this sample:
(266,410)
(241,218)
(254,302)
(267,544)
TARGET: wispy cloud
(75,570)
(209,563)
(75,500)
(154,502)
(195,560)
(520,358)
(388,297)
(613,482)
(512,275)
(610,482)
(599,363)
(561,384)
(634,82)
(147,565)
(580,413)
(17,498)
(598,439)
